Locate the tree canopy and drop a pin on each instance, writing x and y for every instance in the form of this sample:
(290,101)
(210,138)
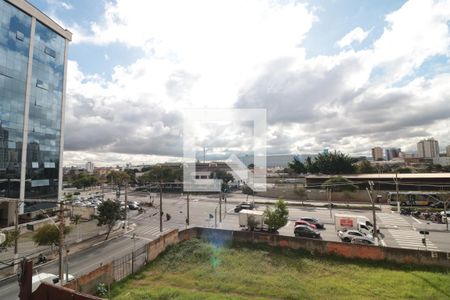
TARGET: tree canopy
(118,178)
(109,212)
(163,174)
(48,235)
(276,217)
(84,180)
(325,163)
(364,167)
(225,176)
(10,237)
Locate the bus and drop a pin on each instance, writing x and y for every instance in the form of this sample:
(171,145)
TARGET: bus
(412,198)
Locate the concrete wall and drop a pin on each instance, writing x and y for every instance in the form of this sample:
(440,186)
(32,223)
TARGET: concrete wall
(221,237)
(48,291)
(319,247)
(160,244)
(287,192)
(84,212)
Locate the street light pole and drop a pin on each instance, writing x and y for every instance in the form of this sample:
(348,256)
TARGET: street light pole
(61,242)
(375,229)
(160,208)
(126,207)
(187,210)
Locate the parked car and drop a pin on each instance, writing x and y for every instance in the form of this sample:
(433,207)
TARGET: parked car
(445,213)
(437,204)
(306,231)
(133,206)
(303,222)
(347,235)
(37,279)
(244,205)
(319,225)
(362,240)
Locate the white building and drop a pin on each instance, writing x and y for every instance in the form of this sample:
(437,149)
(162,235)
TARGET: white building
(447,150)
(428,148)
(90,167)
(443,161)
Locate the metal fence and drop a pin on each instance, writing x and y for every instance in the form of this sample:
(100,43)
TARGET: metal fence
(122,267)
(130,263)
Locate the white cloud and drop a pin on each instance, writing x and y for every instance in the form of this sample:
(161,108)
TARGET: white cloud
(249,54)
(356,35)
(415,32)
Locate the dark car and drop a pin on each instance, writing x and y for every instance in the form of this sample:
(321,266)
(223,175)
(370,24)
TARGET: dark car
(437,204)
(306,231)
(319,225)
(244,205)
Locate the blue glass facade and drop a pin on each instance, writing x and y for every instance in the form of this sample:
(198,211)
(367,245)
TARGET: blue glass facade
(45,104)
(44,125)
(15,27)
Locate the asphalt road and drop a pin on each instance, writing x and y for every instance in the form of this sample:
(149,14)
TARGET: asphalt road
(397,231)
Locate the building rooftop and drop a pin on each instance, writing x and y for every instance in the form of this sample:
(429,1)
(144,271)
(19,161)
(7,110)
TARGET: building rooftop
(31,10)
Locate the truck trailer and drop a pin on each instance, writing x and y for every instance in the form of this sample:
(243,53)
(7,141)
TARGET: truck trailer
(251,219)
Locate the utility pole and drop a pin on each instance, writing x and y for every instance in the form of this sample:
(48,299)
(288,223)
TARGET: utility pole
(375,229)
(61,241)
(16,240)
(220,207)
(187,210)
(396,189)
(160,208)
(445,212)
(215,217)
(329,202)
(126,207)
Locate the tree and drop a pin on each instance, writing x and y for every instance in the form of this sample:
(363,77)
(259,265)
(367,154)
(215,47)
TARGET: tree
(48,235)
(76,221)
(404,170)
(225,176)
(162,174)
(109,212)
(84,180)
(297,166)
(118,178)
(10,238)
(364,167)
(333,163)
(246,190)
(301,193)
(277,217)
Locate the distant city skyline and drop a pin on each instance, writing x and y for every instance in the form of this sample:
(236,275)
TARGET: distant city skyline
(332,75)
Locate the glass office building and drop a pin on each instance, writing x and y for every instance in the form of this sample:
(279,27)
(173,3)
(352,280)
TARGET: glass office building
(33,56)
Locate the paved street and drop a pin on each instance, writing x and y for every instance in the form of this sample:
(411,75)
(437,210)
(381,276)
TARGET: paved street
(397,231)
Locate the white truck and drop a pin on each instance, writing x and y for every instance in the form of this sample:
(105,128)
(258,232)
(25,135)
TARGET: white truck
(361,223)
(251,219)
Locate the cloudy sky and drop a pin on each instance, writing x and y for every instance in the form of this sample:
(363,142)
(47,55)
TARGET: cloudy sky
(340,75)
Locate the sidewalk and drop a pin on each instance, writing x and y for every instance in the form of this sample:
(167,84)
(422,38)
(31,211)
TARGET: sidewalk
(238,198)
(76,239)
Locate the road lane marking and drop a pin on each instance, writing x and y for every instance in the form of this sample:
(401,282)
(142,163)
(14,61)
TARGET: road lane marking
(416,220)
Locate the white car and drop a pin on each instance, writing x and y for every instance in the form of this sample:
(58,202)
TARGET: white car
(348,234)
(363,240)
(443,213)
(37,279)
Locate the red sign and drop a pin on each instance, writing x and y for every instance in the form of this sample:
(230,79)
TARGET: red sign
(347,222)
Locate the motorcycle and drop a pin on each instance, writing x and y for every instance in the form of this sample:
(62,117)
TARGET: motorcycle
(405,211)
(41,259)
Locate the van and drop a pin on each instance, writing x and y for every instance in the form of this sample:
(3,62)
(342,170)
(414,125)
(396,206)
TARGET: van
(37,279)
